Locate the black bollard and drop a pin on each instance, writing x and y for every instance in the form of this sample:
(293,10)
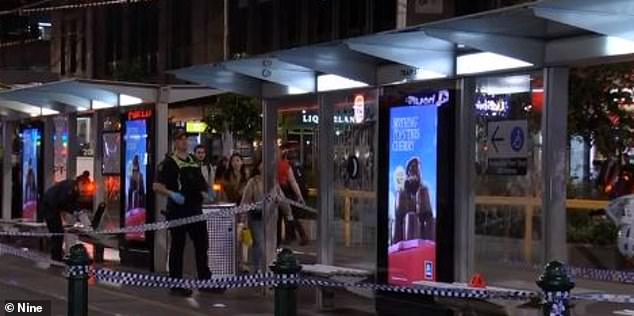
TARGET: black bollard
(285,294)
(77,261)
(556,285)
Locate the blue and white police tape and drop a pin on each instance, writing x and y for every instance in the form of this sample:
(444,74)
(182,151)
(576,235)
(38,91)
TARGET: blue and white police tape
(271,279)
(605,297)
(456,292)
(26,254)
(558,301)
(602,274)
(605,275)
(154,226)
(192,284)
(29,234)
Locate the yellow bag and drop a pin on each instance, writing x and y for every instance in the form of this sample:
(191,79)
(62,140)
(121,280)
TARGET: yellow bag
(246,237)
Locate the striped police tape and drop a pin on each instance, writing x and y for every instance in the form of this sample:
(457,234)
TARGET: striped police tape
(253,280)
(604,275)
(271,280)
(158,225)
(17,252)
(605,297)
(455,292)
(558,301)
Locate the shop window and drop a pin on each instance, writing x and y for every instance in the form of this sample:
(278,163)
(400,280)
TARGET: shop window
(290,29)
(322,21)
(265,29)
(353,17)
(508,184)
(238,27)
(181,33)
(62,51)
(73,47)
(83,39)
(113,38)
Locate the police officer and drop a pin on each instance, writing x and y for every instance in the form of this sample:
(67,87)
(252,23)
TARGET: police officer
(63,196)
(180,179)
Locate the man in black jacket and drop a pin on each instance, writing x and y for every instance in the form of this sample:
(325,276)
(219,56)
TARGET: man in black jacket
(182,182)
(64,196)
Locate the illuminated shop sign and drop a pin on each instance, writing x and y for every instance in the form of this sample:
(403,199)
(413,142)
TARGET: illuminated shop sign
(492,105)
(139,114)
(359,109)
(338,119)
(437,98)
(195,127)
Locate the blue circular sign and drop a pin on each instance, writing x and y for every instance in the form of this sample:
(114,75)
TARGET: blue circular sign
(517,138)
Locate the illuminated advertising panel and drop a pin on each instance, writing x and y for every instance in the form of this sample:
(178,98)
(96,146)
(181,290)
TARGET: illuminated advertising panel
(136,161)
(31,142)
(413,187)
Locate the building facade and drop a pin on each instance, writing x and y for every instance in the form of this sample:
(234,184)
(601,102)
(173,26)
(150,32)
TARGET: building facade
(260,26)
(141,41)
(137,41)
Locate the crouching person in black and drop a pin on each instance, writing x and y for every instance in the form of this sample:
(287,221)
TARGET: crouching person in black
(180,179)
(61,197)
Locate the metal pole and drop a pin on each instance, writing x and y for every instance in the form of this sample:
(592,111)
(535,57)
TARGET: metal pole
(326,200)
(556,285)
(7,168)
(554,131)
(285,293)
(78,281)
(464,181)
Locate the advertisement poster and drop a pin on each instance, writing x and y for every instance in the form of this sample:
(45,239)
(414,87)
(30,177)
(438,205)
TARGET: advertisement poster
(60,146)
(412,210)
(111,153)
(135,176)
(31,140)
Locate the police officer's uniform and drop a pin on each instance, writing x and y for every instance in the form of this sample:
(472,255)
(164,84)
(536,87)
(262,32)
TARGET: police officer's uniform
(184,176)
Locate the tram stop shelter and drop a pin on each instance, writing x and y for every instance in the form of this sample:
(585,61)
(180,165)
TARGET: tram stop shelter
(529,47)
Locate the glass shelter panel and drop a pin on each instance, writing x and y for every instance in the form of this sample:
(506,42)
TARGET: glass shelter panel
(298,132)
(508,111)
(600,168)
(353,221)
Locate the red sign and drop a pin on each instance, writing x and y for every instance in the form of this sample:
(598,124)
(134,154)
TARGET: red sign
(139,114)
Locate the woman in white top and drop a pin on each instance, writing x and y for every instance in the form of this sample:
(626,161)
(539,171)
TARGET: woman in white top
(208,171)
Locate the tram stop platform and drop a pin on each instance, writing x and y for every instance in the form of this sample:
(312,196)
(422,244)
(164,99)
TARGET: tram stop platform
(23,279)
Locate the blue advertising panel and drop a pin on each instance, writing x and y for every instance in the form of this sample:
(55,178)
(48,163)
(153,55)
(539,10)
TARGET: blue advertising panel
(31,141)
(136,161)
(412,187)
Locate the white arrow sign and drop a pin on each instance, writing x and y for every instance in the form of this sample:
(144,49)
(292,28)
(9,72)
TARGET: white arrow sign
(508,139)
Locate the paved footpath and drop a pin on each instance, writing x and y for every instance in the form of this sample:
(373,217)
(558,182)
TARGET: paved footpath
(22,279)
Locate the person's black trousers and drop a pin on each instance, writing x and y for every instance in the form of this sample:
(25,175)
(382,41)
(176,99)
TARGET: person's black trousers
(54,225)
(291,226)
(198,234)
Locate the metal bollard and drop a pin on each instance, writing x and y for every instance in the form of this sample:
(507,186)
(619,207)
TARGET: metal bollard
(556,285)
(78,281)
(285,294)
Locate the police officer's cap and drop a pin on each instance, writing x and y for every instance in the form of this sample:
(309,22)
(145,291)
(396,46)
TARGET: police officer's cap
(178,134)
